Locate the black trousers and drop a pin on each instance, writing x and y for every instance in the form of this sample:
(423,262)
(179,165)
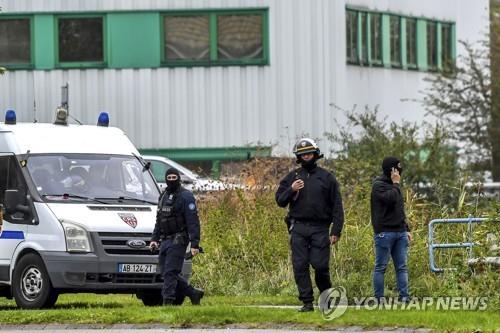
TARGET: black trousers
(310,247)
(171,260)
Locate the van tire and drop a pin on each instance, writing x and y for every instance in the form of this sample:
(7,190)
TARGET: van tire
(150,298)
(31,286)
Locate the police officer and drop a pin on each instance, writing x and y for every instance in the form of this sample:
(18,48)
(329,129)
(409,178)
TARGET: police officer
(313,196)
(177,224)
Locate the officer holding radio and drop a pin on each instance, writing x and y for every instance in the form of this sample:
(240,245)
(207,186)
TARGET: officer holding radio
(315,206)
(177,224)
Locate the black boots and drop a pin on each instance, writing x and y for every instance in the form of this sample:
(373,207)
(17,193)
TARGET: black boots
(307,307)
(196,295)
(168,302)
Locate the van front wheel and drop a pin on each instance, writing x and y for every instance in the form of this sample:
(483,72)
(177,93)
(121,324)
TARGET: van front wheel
(31,284)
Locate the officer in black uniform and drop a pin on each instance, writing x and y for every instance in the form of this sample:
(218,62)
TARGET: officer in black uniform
(177,224)
(313,196)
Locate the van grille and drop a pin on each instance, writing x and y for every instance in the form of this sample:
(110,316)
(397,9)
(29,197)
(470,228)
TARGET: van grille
(124,278)
(138,278)
(115,243)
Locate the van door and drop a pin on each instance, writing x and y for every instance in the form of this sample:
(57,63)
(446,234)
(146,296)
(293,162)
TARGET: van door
(14,225)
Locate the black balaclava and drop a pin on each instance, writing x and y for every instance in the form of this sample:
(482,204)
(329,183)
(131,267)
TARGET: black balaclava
(173,186)
(309,165)
(389,163)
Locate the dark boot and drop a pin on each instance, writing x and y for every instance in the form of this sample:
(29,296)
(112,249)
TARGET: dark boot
(307,307)
(196,295)
(168,302)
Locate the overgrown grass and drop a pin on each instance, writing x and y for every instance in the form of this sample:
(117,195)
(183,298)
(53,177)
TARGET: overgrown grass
(234,311)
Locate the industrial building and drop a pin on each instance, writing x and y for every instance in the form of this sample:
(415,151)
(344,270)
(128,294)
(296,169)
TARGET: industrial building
(218,80)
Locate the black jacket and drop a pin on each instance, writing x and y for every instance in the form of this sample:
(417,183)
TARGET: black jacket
(387,206)
(318,202)
(185,204)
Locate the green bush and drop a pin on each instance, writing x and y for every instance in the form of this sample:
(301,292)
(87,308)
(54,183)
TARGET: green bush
(429,160)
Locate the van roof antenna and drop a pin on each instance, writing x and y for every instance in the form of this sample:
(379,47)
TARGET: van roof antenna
(34,111)
(34,101)
(65,101)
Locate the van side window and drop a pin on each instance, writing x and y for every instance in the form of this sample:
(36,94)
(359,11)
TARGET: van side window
(11,178)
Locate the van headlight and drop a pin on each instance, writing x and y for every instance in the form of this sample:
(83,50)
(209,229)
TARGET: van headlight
(77,238)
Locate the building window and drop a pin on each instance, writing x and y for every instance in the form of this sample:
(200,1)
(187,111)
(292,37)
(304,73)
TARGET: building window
(15,41)
(432,58)
(446,47)
(239,37)
(80,40)
(395,31)
(411,43)
(352,36)
(393,40)
(376,38)
(364,38)
(187,37)
(212,38)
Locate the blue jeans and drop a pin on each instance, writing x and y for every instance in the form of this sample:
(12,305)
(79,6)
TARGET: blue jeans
(395,245)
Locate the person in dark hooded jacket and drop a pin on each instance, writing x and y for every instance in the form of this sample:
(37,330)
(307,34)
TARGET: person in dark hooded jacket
(391,232)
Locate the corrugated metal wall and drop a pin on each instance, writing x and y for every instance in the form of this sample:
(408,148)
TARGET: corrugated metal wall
(197,107)
(229,106)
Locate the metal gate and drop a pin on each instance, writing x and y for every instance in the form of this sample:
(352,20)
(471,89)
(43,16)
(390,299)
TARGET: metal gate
(467,245)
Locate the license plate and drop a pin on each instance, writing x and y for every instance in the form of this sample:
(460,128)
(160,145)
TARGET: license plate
(136,268)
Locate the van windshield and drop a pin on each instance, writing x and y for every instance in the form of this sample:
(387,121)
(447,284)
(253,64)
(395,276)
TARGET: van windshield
(80,176)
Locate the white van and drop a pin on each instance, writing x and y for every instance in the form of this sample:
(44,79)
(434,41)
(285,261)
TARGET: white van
(79,210)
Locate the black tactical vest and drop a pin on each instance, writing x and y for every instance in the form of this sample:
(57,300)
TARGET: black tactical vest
(171,221)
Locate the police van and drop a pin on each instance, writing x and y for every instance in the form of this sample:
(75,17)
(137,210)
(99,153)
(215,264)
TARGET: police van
(79,208)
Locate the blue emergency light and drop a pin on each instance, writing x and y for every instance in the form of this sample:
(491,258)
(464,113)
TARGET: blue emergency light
(10,117)
(103,119)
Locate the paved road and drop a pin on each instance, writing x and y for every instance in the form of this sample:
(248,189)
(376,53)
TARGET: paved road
(162,329)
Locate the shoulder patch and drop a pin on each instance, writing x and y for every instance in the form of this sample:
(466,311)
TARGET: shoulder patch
(192,206)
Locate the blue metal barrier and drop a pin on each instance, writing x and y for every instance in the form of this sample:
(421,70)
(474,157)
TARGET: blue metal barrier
(469,244)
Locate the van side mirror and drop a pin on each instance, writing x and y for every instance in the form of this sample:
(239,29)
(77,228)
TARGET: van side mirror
(14,202)
(146,166)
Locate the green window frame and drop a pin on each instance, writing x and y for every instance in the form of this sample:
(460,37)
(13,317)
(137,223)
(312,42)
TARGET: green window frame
(395,40)
(29,63)
(375,27)
(80,64)
(432,45)
(213,56)
(447,56)
(411,43)
(352,28)
(364,38)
